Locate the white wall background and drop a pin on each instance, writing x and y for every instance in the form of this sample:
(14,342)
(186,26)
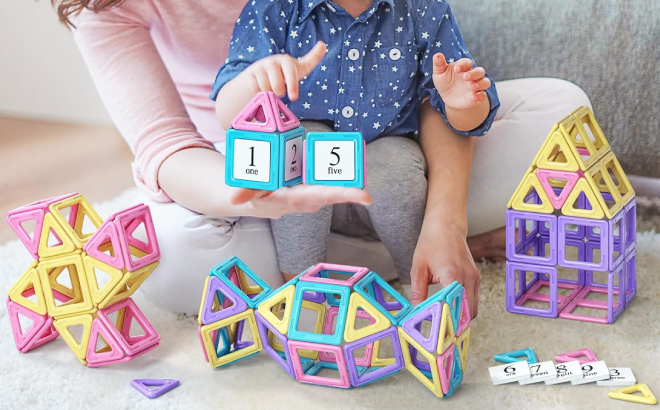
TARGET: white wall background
(42,74)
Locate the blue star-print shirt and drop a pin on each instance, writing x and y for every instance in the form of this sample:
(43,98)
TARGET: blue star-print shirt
(378,68)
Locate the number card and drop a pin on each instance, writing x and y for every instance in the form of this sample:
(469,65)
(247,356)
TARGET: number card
(335,159)
(252,160)
(541,372)
(593,372)
(566,372)
(509,373)
(264,160)
(619,376)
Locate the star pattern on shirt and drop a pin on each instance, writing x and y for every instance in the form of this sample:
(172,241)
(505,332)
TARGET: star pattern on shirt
(377,68)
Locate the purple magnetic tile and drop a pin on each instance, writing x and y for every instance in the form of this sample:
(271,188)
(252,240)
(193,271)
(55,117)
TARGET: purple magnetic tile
(412,326)
(356,378)
(380,298)
(238,343)
(264,326)
(512,296)
(512,255)
(585,264)
(165,385)
(631,225)
(631,276)
(238,306)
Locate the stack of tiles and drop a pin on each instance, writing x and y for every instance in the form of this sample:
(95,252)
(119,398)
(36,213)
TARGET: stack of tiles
(83,276)
(571,229)
(332,318)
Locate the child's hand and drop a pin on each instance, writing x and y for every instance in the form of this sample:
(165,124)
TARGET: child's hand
(459,85)
(281,73)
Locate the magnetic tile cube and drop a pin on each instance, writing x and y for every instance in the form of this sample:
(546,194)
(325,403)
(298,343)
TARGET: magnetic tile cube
(335,159)
(574,211)
(264,146)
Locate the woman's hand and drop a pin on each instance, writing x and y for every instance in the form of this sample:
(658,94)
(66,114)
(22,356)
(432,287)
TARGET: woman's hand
(442,256)
(460,85)
(296,199)
(281,73)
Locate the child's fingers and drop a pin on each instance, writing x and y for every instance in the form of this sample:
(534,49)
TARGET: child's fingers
(475,74)
(310,60)
(479,96)
(463,65)
(262,80)
(439,64)
(276,79)
(290,71)
(481,85)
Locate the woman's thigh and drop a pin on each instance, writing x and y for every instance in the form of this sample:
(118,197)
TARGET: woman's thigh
(529,108)
(191,244)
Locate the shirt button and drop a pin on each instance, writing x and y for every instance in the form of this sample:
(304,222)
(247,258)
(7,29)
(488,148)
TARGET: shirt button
(353,54)
(347,111)
(395,54)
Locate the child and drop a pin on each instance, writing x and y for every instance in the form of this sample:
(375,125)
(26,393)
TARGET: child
(367,66)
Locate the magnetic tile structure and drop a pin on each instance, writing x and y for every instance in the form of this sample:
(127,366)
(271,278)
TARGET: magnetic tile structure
(79,285)
(337,320)
(571,229)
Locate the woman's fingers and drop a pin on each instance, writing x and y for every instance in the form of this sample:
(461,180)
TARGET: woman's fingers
(242,195)
(310,60)
(304,197)
(419,284)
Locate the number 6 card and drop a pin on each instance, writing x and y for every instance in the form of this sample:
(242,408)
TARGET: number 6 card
(334,159)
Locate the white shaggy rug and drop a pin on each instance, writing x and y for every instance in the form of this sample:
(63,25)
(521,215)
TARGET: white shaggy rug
(51,378)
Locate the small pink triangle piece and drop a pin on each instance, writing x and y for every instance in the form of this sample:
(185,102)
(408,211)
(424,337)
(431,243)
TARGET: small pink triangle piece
(577,355)
(265,113)
(261,103)
(571,178)
(21,338)
(446,371)
(464,320)
(46,334)
(285,119)
(115,353)
(31,242)
(106,233)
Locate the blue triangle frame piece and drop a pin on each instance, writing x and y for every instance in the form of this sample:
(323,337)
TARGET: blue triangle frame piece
(412,326)
(454,299)
(215,285)
(165,385)
(516,355)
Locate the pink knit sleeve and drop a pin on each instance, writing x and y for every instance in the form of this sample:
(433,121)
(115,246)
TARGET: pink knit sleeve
(137,90)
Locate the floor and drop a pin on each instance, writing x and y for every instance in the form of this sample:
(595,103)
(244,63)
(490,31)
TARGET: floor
(41,159)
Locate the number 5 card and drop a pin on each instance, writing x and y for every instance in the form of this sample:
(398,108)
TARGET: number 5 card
(334,159)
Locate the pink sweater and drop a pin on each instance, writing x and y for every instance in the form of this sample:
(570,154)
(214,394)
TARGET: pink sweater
(153,62)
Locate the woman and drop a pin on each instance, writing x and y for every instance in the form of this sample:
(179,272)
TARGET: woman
(153,62)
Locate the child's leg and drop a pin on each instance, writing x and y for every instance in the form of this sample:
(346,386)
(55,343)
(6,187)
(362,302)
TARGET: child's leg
(397,183)
(191,244)
(301,239)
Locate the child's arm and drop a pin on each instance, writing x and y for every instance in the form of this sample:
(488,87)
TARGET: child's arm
(460,91)
(442,255)
(278,73)
(463,90)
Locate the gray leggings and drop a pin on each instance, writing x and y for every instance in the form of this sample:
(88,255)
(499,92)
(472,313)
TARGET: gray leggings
(396,181)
